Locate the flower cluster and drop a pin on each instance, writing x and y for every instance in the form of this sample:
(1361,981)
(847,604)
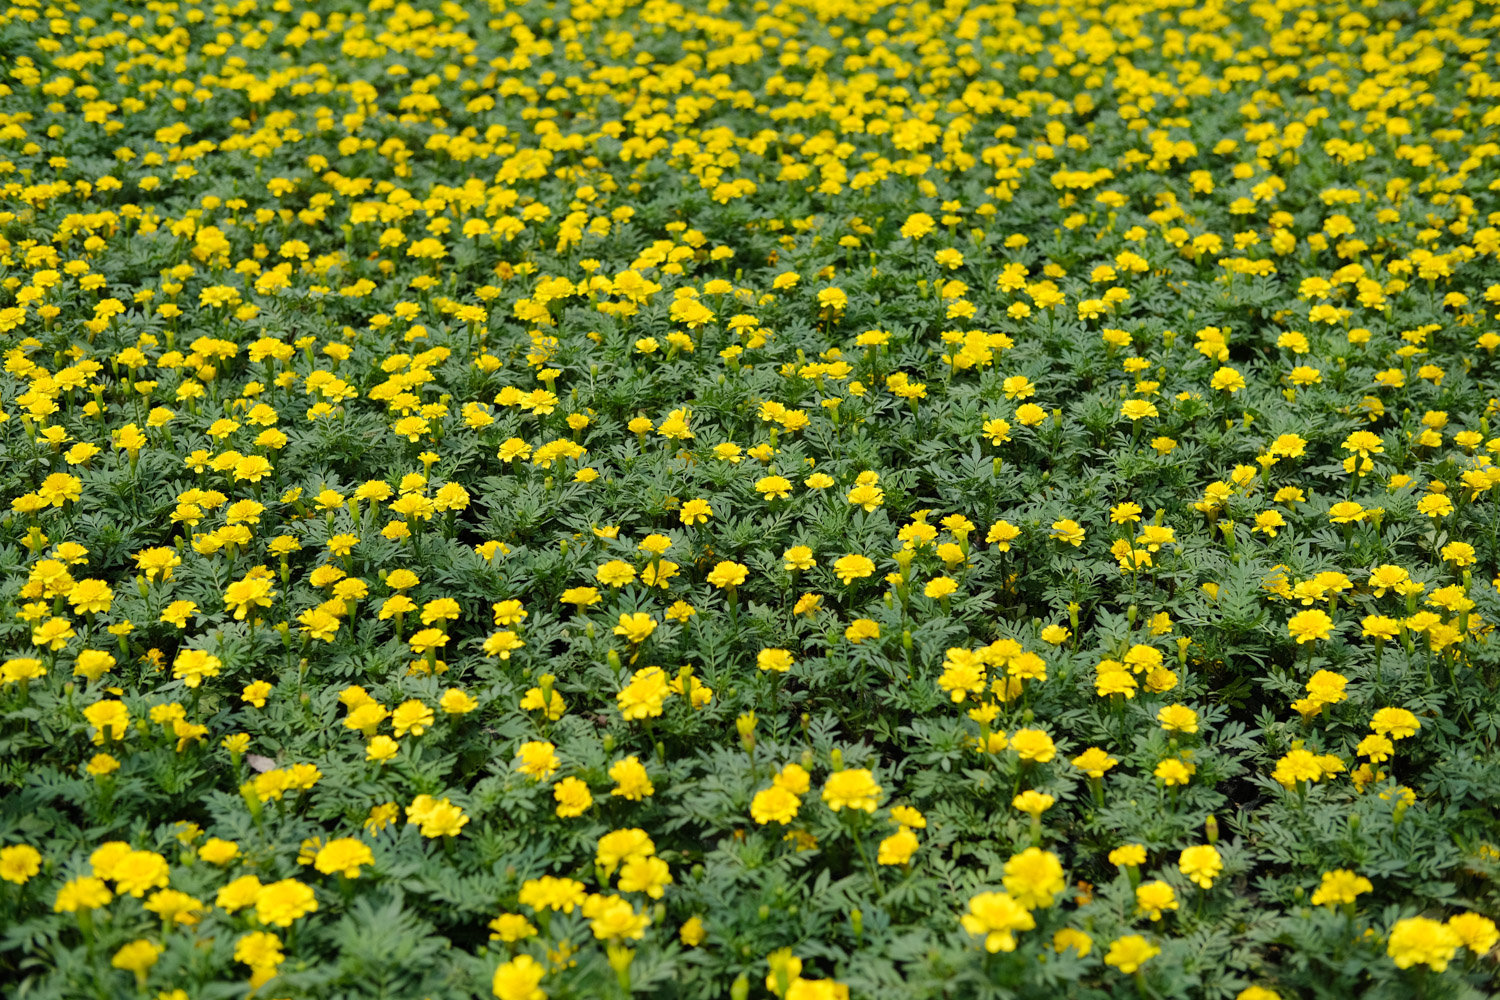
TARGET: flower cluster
(701,499)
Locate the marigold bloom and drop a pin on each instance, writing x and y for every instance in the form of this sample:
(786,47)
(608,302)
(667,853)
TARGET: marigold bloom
(1397,723)
(1068,532)
(854,789)
(1201,864)
(85,893)
(344,856)
(774,660)
(996,916)
(19,862)
(853,567)
(550,893)
(1152,898)
(728,574)
(774,805)
(1422,941)
(1340,886)
(1033,745)
(573,797)
(635,627)
(632,781)
(1308,626)
(1478,933)
(519,979)
(137,957)
(538,759)
(281,903)
(1130,952)
(1034,878)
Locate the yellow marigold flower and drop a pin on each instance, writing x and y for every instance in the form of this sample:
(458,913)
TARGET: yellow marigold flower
(81,894)
(728,574)
(137,957)
(1034,878)
(1340,886)
(218,852)
(1001,534)
(635,627)
(411,716)
(281,903)
(615,573)
(1478,933)
(1228,380)
(695,512)
(344,856)
(693,932)
(1032,802)
(1033,745)
(1397,723)
(137,872)
(1130,952)
(1152,898)
(519,979)
(798,557)
(1072,937)
(774,805)
(511,927)
(774,487)
(538,759)
(1422,941)
(1201,864)
(777,660)
(19,862)
(996,916)
(1178,718)
(1346,512)
(1307,626)
(853,567)
(1094,762)
(573,797)
(550,893)
(1068,532)
(632,782)
(854,789)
